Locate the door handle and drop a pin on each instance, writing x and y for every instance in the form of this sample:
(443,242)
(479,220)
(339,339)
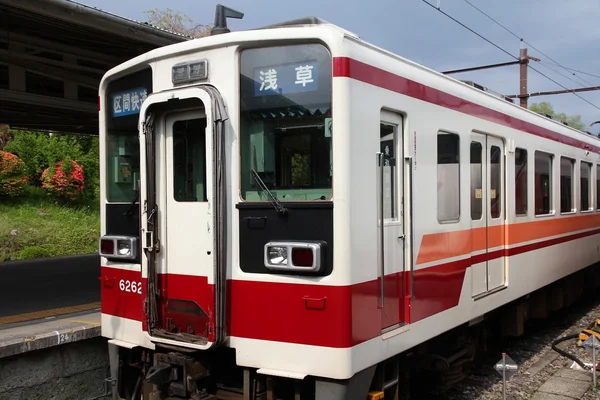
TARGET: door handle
(380,161)
(401,237)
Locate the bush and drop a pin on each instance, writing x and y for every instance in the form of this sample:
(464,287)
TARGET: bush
(13,175)
(40,151)
(33,252)
(64,182)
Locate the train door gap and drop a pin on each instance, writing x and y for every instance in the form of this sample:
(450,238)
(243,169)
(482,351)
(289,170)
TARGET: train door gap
(488,209)
(391,222)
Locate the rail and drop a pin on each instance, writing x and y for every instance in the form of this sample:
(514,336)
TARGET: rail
(48,287)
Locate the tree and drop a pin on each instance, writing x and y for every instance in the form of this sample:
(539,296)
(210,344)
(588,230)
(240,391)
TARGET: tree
(544,107)
(176,22)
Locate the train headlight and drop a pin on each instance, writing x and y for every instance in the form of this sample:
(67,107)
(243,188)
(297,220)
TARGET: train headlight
(293,256)
(278,255)
(124,247)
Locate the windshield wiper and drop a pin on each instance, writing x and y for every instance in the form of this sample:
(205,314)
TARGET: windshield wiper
(263,187)
(137,196)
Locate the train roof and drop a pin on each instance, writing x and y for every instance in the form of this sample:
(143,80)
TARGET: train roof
(311,26)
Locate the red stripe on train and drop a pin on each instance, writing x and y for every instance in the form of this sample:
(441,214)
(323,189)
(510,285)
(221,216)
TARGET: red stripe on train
(319,315)
(350,68)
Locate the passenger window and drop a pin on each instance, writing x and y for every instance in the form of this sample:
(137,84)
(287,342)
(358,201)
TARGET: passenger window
(495,182)
(520,181)
(448,177)
(585,187)
(189,160)
(543,183)
(388,145)
(476,189)
(566,185)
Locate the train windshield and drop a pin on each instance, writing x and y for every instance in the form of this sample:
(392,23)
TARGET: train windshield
(285,123)
(124,98)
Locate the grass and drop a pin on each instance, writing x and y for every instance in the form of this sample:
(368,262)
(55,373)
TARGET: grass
(36,226)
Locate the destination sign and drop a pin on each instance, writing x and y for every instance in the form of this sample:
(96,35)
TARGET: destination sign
(128,102)
(286,79)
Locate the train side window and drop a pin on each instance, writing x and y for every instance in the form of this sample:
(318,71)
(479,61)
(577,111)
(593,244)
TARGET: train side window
(598,187)
(388,144)
(543,183)
(585,187)
(521,182)
(448,177)
(566,185)
(495,182)
(476,189)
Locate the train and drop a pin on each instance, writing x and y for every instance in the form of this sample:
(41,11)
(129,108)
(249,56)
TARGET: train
(290,212)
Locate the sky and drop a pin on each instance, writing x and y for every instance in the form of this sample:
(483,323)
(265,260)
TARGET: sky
(566,32)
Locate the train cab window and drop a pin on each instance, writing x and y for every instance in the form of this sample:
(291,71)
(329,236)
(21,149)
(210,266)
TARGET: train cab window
(189,160)
(448,177)
(520,181)
(286,126)
(476,189)
(585,187)
(566,185)
(543,183)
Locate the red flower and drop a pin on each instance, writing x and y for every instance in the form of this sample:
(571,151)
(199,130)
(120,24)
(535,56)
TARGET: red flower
(67,184)
(13,178)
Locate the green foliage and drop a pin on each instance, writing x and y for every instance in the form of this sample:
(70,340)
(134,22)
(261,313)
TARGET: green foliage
(544,107)
(33,252)
(38,225)
(13,178)
(176,22)
(40,151)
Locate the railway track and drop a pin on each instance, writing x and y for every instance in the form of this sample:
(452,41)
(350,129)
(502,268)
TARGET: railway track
(532,352)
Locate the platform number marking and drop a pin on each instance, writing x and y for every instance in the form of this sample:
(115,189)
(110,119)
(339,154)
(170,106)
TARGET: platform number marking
(130,286)
(63,338)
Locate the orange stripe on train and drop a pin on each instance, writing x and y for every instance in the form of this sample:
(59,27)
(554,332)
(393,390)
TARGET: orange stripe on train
(444,245)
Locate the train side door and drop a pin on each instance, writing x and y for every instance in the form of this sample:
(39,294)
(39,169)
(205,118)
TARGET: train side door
(496,221)
(488,269)
(391,237)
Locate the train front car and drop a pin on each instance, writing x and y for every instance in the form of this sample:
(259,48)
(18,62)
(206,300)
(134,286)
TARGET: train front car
(218,221)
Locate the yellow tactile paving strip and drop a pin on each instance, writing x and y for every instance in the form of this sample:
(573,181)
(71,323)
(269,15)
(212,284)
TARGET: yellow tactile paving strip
(48,313)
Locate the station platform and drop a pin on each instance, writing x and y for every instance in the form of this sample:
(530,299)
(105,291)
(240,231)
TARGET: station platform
(19,338)
(565,384)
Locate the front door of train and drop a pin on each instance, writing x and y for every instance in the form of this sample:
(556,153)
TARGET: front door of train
(391,224)
(488,262)
(180,181)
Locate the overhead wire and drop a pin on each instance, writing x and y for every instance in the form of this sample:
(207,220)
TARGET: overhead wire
(572,69)
(525,41)
(568,77)
(507,52)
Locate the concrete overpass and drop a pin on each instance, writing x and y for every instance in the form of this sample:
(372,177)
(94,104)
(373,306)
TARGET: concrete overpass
(53,54)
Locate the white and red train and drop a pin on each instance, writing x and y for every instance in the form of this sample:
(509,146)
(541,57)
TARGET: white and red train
(245,177)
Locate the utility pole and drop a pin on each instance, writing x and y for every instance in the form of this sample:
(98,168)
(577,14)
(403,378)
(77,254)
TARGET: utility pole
(524,61)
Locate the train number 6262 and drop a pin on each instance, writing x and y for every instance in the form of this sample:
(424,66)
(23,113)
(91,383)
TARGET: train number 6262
(130,286)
